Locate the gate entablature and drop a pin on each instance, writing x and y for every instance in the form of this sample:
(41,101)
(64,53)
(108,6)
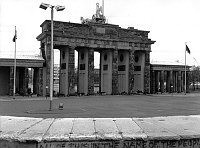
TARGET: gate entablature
(95,35)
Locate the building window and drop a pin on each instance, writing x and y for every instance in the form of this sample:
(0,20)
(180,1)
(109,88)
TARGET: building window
(121,68)
(105,67)
(137,68)
(82,66)
(63,66)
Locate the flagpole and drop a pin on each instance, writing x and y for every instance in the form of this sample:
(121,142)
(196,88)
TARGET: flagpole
(185,68)
(15,63)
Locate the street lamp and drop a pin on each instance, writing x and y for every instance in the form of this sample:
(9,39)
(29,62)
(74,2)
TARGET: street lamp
(58,8)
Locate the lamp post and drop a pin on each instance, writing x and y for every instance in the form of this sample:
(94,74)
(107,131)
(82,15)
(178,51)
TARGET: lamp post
(58,8)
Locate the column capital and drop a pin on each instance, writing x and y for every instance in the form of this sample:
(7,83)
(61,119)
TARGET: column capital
(72,47)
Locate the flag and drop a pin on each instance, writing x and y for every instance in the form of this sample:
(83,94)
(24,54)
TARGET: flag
(187,49)
(15,36)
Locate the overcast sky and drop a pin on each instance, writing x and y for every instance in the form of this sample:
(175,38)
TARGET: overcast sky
(171,23)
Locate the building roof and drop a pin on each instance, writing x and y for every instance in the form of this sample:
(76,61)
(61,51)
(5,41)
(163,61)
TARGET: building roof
(21,60)
(167,63)
(30,57)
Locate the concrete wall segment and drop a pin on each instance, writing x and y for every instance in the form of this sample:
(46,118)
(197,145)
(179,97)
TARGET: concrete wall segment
(159,132)
(60,130)
(12,127)
(83,129)
(179,126)
(36,132)
(155,131)
(129,129)
(106,129)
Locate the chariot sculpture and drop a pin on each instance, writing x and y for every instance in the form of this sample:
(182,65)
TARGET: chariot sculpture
(96,18)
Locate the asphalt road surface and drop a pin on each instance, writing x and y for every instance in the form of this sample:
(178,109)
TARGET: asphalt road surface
(102,106)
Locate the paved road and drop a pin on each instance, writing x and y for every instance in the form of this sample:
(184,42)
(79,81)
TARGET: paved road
(103,106)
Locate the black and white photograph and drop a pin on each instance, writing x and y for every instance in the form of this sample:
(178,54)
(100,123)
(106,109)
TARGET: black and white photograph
(99,74)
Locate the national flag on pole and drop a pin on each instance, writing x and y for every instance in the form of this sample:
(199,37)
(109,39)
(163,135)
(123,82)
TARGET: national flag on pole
(15,36)
(187,49)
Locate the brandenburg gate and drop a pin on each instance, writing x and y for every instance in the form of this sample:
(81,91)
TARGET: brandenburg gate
(124,56)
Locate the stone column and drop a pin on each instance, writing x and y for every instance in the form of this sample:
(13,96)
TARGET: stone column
(106,71)
(187,81)
(175,82)
(67,74)
(37,81)
(168,82)
(86,71)
(91,71)
(41,85)
(11,81)
(25,81)
(147,73)
(171,81)
(179,81)
(182,81)
(162,81)
(157,80)
(131,71)
(153,81)
(46,70)
(82,71)
(71,72)
(115,72)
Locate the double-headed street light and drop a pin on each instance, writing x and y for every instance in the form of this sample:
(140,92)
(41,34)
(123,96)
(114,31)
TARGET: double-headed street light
(58,8)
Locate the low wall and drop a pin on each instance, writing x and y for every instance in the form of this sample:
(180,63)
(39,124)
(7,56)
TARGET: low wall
(157,132)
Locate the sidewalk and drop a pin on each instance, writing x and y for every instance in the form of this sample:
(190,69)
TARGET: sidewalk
(21,98)
(177,94)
